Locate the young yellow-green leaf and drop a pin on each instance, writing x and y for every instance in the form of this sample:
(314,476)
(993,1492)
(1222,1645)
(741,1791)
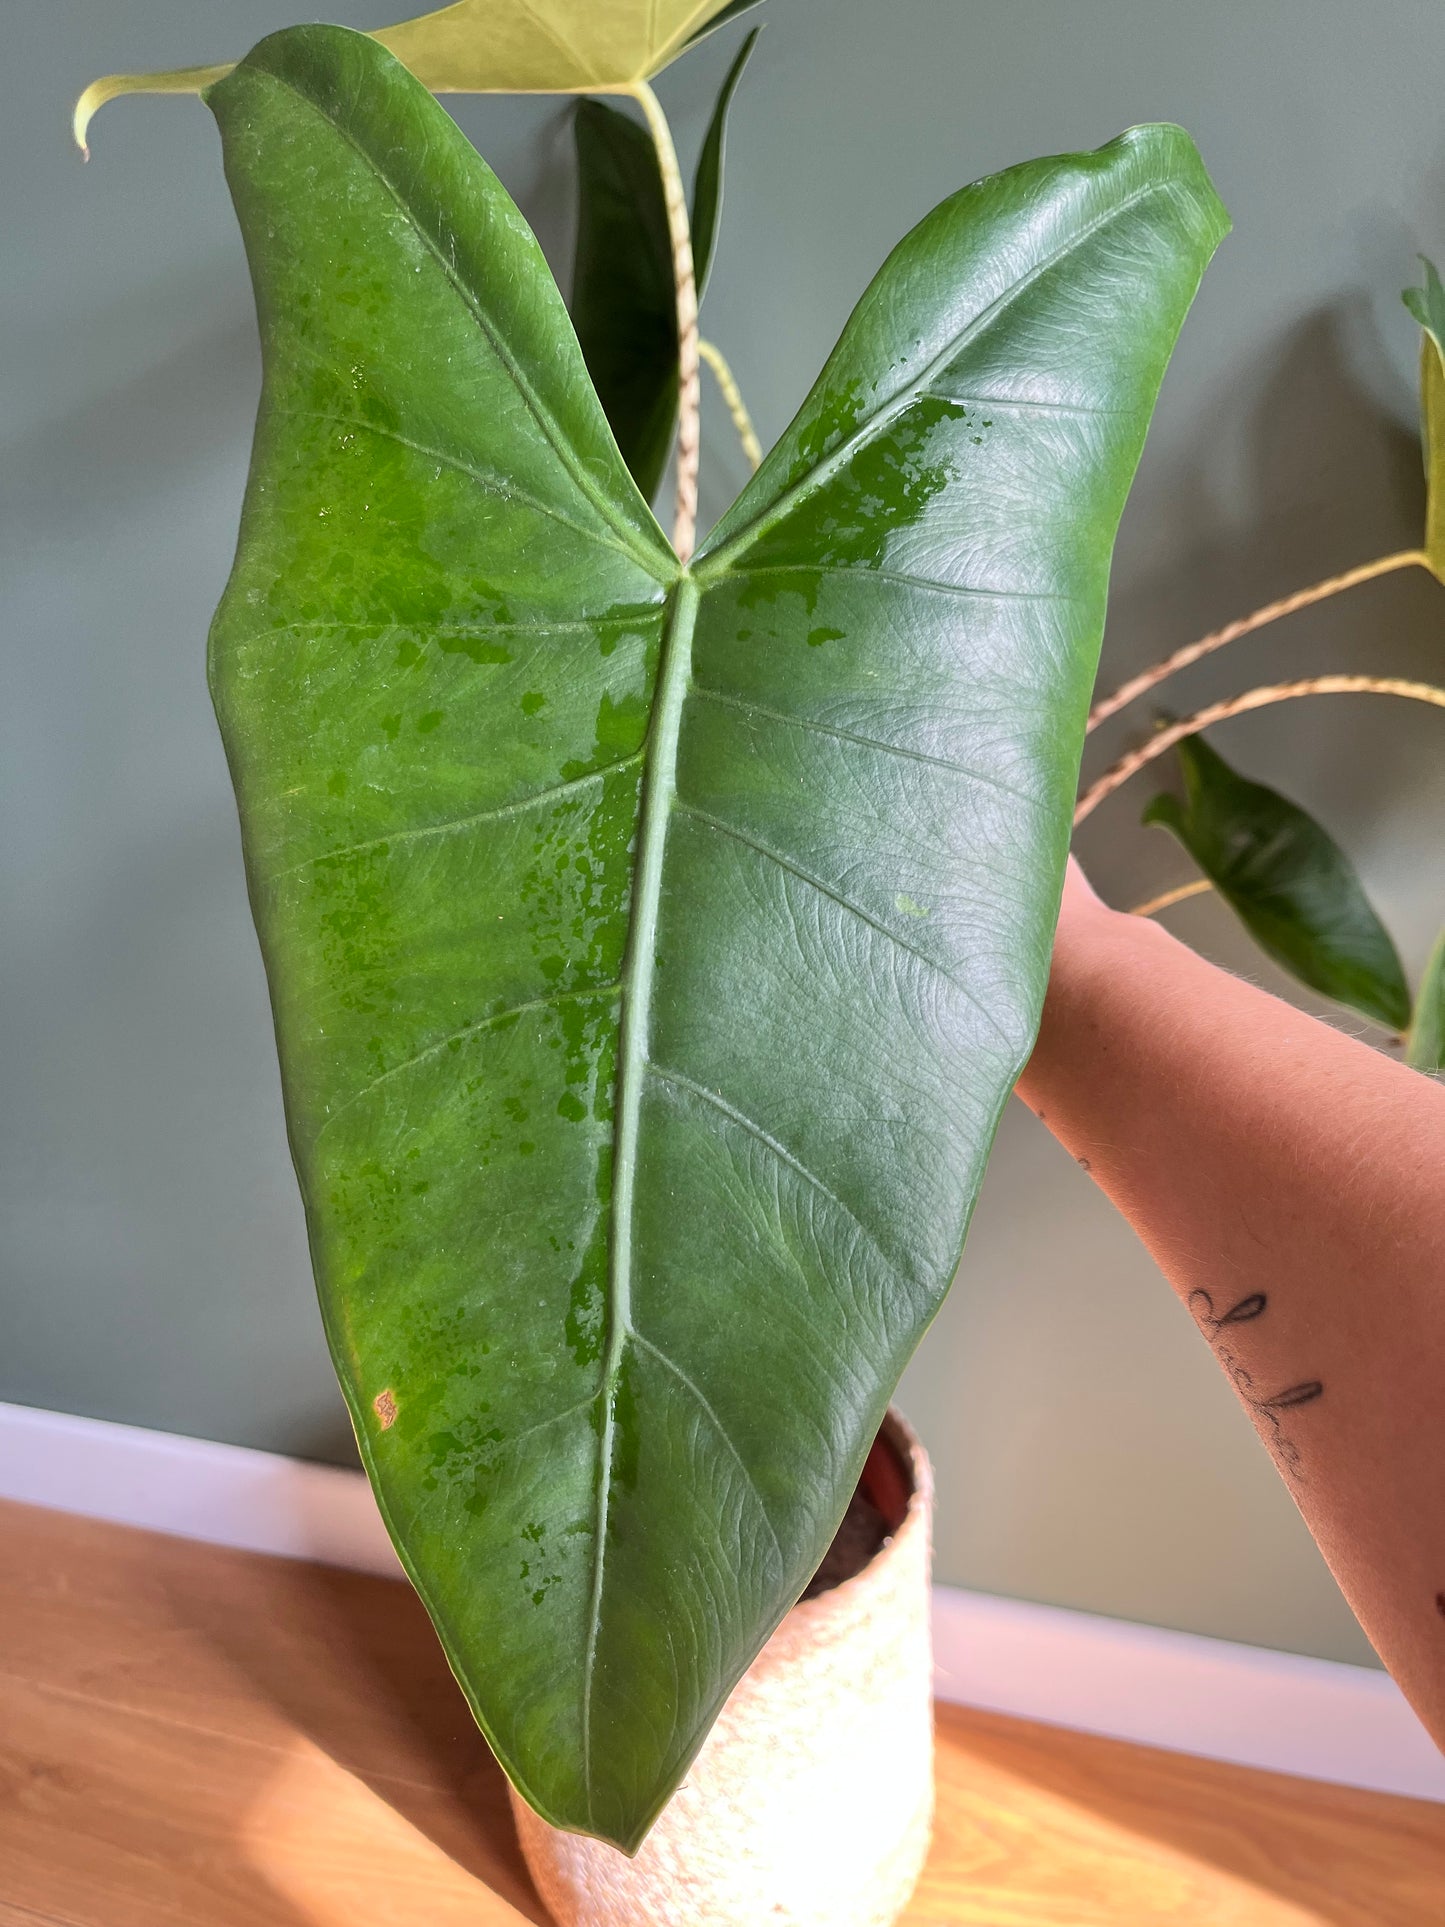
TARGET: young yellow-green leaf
(652,950)
(547,46)
(497,47)
(624,304)
(1425,1045)
(729,13)
(1427,304)
(1288,881)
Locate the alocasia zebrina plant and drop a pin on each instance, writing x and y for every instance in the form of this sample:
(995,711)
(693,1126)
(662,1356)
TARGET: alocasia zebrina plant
(652,947)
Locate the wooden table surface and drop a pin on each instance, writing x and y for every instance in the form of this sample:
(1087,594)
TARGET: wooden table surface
(206,1738)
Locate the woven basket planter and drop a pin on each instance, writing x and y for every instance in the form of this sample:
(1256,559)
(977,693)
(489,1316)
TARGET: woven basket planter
(811,1802)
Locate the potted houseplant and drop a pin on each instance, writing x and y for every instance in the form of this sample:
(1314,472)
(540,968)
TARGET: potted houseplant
(654,936)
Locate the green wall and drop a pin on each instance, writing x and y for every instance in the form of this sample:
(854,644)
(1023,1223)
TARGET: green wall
(152,1261)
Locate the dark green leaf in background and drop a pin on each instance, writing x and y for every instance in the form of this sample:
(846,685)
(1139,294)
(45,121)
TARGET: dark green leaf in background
(652,951)
(1427,304)
(1289,882)
(624,305)
(1425,1045)
(707,190)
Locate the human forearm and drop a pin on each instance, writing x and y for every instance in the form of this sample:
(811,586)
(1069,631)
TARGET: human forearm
(1289,1182)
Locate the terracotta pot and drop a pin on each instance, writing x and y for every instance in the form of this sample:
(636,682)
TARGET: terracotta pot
(811,1802)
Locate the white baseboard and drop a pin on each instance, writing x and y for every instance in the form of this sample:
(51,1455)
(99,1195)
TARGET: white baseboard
(1281,1711)
(1288,1714)
(227,1495)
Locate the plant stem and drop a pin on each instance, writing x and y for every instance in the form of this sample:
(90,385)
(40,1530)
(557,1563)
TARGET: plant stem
(684,531)
(1231,632)
(1281,692)
(732,395)
(1201,886)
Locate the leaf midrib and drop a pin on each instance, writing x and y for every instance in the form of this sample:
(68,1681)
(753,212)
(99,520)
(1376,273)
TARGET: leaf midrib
(638,973)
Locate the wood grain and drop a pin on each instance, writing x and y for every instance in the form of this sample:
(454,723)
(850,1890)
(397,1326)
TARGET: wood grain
(191,1737)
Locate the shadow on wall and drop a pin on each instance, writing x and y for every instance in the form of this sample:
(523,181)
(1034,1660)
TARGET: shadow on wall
(1165,1499)
(1329,479)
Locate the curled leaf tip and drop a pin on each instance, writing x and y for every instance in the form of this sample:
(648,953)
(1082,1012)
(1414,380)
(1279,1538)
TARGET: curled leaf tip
(94,98)
(185,80)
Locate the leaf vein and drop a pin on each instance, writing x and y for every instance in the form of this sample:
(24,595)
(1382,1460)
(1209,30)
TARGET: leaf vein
(477,1029)
(1039,407)
(530,400)
(966,591)
(488,482)
(780,1151)
(387,624)
(815,728)
(458,823)
(705,1405)
(854,909)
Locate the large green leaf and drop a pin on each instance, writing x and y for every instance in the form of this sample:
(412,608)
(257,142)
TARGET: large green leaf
(624,305)
(1288,881)
(1427,304)
(1425,1045)
(498,47)
(652,951)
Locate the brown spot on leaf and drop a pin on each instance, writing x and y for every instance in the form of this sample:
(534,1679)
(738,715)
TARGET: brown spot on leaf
(384,1405)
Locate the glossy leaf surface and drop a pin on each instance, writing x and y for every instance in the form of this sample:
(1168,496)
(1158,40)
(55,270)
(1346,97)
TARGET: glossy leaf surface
(1427,304)
(497,47)
(1425,1045)
(1288,881)
(624,306)
(652,952)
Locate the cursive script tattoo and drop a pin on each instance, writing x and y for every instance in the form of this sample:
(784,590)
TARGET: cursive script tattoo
(1265,1408)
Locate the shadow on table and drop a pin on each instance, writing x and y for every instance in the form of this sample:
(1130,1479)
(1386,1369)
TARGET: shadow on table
(352,1664)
